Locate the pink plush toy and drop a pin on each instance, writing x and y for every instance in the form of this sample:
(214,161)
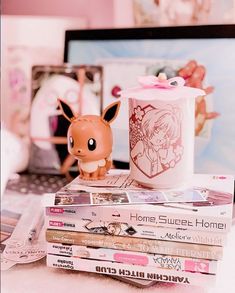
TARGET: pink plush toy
(90,140)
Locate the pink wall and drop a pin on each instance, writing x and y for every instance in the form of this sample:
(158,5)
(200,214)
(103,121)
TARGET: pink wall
(99,13)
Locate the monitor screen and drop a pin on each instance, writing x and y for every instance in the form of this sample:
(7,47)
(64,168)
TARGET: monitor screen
(207,52)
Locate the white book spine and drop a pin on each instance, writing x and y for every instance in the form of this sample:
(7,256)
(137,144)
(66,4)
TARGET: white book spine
(131,271)
(139,231)
(143,216)
(135,258)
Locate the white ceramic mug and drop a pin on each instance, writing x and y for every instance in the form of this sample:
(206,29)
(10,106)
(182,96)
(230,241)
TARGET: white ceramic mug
(161,132)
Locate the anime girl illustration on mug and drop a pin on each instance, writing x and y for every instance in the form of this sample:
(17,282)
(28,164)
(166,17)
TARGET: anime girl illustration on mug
(158,147)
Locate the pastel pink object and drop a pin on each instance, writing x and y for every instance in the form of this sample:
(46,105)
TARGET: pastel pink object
(153,81)
(56,224)
(197,266)
(57,210)
(131,259)
(161,131)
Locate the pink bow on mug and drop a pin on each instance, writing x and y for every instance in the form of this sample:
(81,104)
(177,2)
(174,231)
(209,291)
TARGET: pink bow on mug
(151,81)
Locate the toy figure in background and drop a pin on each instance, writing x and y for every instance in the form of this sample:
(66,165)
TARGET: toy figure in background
(90,140)
(194,75)
(48,128)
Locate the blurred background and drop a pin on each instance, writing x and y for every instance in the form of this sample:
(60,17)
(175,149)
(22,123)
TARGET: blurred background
(33,33)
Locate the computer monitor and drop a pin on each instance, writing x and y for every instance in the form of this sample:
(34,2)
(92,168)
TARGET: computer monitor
(127,53)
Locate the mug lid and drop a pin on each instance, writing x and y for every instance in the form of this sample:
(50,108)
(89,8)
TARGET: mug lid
(154,88)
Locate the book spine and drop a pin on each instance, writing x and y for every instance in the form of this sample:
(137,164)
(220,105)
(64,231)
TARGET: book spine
(135,244)
(139,231)
(131,271)
(143,216)
(153,260)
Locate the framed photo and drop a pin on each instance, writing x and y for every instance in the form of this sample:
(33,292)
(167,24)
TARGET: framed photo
(81,88)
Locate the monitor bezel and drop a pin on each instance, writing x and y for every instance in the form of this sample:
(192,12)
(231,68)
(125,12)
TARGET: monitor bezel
(177,32)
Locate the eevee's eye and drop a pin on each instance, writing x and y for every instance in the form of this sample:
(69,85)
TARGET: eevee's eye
(91,144)
(71,142)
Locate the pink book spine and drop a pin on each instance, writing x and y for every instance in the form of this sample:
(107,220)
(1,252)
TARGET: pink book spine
(139,231)
(153,260)
(131,271)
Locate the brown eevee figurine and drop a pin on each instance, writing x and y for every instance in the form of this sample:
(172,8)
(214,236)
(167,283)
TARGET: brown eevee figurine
(90,140)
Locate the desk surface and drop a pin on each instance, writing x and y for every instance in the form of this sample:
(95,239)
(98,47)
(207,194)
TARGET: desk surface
(37,278)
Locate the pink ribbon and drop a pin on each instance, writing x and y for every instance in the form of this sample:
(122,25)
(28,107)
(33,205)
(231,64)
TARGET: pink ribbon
(152,81)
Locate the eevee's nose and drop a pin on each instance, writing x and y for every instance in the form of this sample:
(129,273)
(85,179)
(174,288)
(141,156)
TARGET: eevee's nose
(79,151)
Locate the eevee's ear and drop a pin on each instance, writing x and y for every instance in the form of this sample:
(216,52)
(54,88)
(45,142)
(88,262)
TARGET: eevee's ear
(110,112)
(66,110)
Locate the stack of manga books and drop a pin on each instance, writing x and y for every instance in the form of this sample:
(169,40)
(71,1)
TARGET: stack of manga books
(178,236)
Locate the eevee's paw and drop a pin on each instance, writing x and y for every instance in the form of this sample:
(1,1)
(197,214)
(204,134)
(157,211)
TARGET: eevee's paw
(93,178)
(84,177)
